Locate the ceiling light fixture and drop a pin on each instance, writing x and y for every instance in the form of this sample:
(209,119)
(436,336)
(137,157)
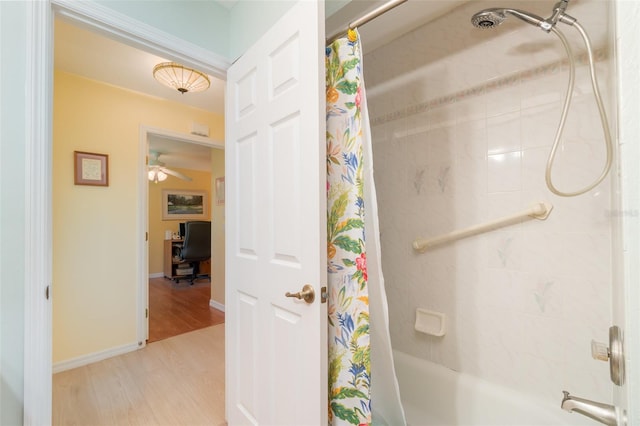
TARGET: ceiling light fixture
(157,175)
(157,170)
(181,78)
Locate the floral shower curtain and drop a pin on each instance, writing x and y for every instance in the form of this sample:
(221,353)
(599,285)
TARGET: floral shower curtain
(352,210)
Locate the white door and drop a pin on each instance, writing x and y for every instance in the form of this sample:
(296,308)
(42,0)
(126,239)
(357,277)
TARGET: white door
(276,346)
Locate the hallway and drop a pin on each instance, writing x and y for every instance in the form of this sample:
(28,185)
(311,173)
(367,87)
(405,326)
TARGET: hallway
(176,381)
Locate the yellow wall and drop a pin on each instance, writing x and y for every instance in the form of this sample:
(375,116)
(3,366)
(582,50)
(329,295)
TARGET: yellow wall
(157,226)
(217,230)
(95,231)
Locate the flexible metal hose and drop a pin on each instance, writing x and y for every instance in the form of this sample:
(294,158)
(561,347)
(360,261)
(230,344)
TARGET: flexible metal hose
(565,110)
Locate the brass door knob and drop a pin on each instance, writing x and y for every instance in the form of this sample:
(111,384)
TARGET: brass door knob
(307,293)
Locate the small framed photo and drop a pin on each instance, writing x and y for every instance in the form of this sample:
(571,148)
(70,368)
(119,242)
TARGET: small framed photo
(90,168)
(220,191)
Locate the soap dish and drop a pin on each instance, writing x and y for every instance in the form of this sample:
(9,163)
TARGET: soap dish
(430,322)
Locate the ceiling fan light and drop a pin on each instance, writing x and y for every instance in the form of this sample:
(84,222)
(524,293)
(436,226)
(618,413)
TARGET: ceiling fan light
(157,175)
(181,78)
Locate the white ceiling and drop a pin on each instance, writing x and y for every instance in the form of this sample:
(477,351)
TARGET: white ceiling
(96,57)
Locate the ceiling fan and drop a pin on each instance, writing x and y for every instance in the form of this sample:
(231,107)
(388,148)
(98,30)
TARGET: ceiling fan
(158,172)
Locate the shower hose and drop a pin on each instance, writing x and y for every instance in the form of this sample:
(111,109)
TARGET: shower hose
(565,110)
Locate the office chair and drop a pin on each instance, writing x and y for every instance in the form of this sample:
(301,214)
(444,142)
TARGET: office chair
(196,246)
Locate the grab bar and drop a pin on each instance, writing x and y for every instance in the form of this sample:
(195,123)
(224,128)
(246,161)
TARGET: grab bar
(539,211)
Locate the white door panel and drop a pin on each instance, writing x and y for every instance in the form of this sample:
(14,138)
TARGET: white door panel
(276,226)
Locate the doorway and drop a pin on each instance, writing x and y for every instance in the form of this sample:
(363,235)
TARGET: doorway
(175,305)
(112,300)
(118,238)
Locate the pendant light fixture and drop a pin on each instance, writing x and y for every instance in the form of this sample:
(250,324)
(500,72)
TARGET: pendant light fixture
(181,78)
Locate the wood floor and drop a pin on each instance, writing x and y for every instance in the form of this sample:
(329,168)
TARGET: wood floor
(176,381)
(176,308)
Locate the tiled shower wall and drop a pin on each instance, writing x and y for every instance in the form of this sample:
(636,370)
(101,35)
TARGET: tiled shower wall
(462,123)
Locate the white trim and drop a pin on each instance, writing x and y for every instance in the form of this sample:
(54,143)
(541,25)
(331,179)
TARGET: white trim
(1,233)
(38,211)
(183,137)
(627,85)
(142,313)
(216,305)
(157,275)
(130,31)
(93,357)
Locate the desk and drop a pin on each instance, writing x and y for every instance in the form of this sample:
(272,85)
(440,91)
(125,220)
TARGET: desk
(172,250)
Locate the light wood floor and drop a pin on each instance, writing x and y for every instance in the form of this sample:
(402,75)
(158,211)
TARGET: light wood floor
(176,381)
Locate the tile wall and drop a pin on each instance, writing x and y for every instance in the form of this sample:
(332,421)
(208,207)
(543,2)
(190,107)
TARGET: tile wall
(462,122)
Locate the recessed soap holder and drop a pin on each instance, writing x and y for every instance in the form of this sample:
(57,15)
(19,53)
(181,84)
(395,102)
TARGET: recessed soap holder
(430,322)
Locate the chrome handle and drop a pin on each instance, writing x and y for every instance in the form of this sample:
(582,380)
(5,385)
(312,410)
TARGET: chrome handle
(614,354)
(307,293)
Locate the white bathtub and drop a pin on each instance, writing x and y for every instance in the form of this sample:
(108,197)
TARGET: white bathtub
(434,395)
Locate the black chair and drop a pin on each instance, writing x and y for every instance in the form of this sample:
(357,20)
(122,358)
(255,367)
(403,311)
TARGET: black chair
(196,246)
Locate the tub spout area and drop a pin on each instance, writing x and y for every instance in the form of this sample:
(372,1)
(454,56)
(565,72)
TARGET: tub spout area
(603,413)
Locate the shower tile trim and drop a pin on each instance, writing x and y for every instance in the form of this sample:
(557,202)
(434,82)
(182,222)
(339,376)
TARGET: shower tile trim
(510,80)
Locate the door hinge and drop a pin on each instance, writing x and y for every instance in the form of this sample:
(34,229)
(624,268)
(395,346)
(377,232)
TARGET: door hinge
(323,295)
(47,292)
(146,313)
(146,236)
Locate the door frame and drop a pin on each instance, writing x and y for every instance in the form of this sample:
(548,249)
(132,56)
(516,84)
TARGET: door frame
(38,166)
(143,215)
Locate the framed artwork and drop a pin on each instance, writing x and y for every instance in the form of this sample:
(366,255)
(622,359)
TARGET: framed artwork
(90,168)
(180,204)
(220,191)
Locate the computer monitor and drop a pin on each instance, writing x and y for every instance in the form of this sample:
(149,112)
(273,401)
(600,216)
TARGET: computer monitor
(182,231)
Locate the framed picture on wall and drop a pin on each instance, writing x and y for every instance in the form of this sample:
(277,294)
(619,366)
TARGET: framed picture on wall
(90,168)
(179,204)
(220,191)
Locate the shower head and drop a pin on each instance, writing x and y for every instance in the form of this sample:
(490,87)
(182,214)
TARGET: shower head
(490,18)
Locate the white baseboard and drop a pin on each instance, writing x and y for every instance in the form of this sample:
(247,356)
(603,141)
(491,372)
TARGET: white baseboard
(216,305)
(157,275)
(94,357)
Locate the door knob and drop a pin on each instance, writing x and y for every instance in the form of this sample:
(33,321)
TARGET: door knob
(307,293)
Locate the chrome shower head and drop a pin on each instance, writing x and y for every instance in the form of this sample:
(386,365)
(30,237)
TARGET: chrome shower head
(490,18)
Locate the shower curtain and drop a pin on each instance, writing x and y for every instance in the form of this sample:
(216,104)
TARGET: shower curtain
(359,340)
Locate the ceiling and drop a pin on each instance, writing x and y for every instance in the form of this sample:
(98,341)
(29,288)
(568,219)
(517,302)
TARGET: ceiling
(93,56)
(99,58)
(180,154)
